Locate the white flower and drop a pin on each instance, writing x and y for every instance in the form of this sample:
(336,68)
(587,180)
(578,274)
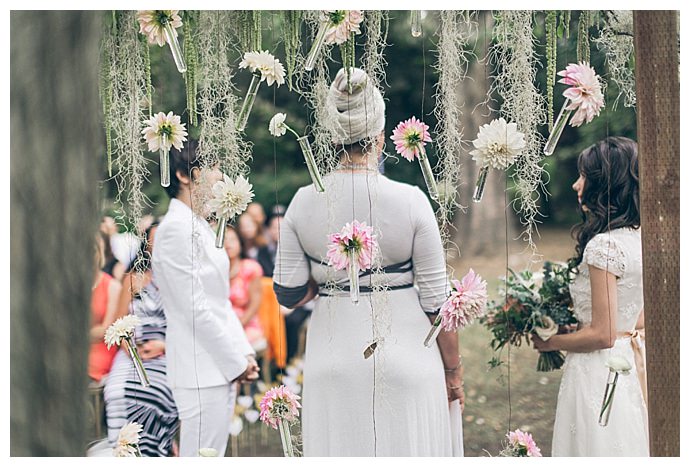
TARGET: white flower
(168,125)
(123,327)
(270,67)
(230,198)
(277,126)
(619,364)
(208,452)
(548,329)
(128,440)
(152,23)
(498,144)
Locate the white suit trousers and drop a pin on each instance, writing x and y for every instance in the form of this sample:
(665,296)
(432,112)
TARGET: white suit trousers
(205,418)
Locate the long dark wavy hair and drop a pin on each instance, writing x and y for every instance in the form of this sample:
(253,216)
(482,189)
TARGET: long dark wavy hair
(611,191)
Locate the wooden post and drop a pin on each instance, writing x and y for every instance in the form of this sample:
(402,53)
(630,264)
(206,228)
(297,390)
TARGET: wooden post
(658,129)
(56,147)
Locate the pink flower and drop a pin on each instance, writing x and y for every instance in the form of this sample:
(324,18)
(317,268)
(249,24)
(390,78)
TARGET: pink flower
(152,23)
(410,137)
(523,444)
(585,95)
(343,24)
(357,236)
(279,404)
(467,301)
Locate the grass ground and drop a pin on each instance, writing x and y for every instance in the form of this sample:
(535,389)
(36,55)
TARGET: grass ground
(515,393)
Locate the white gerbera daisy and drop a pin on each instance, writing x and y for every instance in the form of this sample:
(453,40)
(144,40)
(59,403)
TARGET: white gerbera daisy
(498,144)
(168,125)
(128,441)
(230,198)
(270,67)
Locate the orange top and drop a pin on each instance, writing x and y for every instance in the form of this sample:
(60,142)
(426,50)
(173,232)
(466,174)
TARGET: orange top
(100,358)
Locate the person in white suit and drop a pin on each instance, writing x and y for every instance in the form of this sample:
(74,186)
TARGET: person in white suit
(206,346)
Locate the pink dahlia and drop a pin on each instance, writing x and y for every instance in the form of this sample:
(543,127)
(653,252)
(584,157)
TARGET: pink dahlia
(410,137)
(585,95)
(343,24)
(467,301)
(357,236)
(279,404)
(523,444)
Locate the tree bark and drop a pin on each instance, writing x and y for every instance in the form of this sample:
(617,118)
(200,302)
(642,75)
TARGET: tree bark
(658,117)
(55,154)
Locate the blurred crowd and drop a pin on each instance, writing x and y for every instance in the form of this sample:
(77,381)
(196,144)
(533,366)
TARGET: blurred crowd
(124,283)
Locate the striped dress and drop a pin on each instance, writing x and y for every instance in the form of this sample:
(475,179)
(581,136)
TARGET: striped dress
(127,401)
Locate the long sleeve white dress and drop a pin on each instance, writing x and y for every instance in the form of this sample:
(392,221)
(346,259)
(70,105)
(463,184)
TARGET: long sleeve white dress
(576,430)
(395,402)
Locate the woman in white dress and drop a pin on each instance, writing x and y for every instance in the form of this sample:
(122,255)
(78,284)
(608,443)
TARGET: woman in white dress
(607,296)
(399,401)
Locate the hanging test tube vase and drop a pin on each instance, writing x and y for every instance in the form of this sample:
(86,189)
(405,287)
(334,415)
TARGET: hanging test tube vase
(433,332)
(416,22)
(428,174)
(311,163)
(164,163)
(175,48)
(353,274)
(131,348)
(481,184)
(220,232)
(248,103)
(286,438)
(555,135)
(316,46)
(607,403)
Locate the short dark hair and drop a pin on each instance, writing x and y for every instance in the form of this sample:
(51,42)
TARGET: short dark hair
(182,161)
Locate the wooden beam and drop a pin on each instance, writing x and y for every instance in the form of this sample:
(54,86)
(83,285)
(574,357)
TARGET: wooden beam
(658,129)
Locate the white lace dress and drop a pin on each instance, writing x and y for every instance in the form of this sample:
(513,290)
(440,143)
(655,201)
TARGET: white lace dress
(576,430)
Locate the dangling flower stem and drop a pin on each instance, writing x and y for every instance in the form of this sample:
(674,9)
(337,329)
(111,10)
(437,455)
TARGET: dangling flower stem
(286,438)
(171,38)
(555,134)
(428,174)
(481,184)
(248,101)
(353,273)
(128,342)
(220,231)
(433,332)
(317,45)
(314,173)
(607,403)
(416,22)
(164,153)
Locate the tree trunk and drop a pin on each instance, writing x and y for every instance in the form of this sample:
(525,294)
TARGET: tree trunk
(55,153)
(481,230)
(658,129)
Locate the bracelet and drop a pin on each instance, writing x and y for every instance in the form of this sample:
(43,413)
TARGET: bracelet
(450,370)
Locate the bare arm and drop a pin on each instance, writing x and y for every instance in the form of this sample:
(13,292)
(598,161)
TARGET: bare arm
(98,330)
(601,333)
(452,363)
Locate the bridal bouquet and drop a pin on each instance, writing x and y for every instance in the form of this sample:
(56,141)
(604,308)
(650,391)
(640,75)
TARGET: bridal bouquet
(279,407)
(532,307)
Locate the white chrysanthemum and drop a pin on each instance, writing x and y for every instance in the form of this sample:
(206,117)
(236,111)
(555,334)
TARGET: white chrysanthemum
(270,67)
(498,144)
(123,327)
(162,124)
(128,440)
(277,126)
(619,364)
(230,198)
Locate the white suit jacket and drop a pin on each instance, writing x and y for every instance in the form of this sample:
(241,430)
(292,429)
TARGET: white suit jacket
(205,342)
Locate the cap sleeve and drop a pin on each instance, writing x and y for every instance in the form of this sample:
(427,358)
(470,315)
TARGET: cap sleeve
(605,252)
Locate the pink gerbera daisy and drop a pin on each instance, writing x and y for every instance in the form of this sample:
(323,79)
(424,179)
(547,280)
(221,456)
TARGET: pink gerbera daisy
(410,137)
